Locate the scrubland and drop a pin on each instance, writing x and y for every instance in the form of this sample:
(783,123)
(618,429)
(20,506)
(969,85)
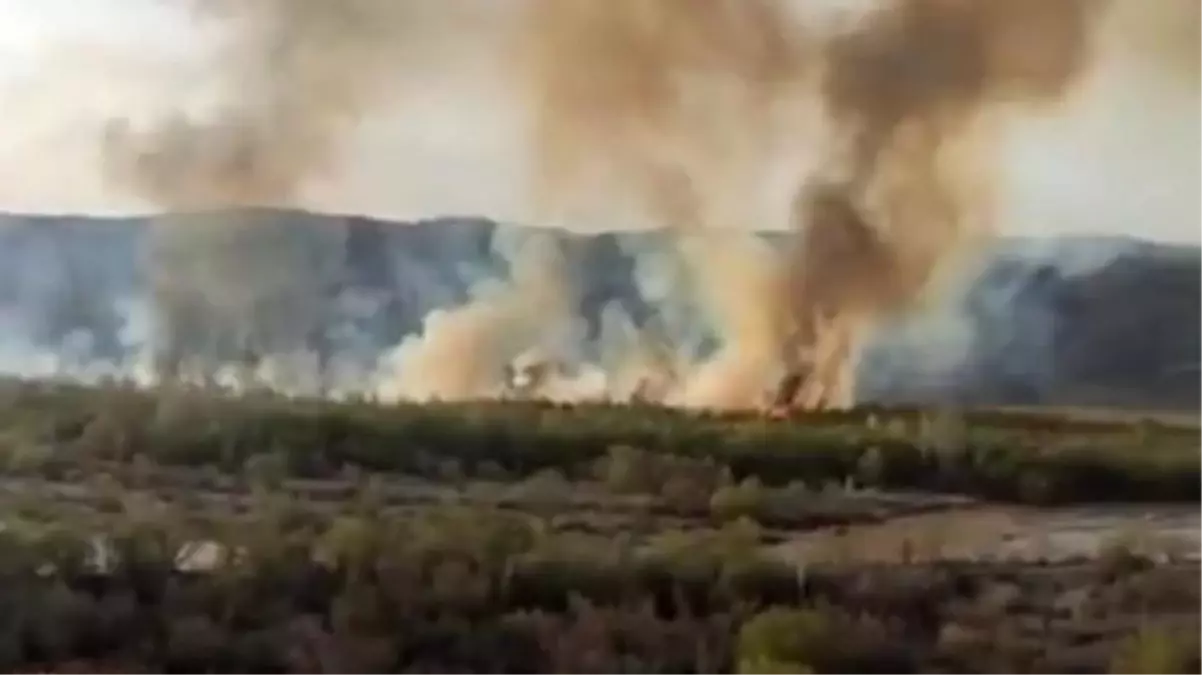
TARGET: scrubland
(183,530)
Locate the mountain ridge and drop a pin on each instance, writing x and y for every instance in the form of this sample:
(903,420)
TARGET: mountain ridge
(1090,320)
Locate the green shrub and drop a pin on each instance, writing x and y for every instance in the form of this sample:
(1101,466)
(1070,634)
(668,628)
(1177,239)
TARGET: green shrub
(628,470)
(781,640)
(732,502)
(1155,650)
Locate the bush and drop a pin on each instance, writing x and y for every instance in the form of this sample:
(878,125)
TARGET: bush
(478,590)
(1154,650)
(628,470)
(547,487)
(782,640)
(732,502)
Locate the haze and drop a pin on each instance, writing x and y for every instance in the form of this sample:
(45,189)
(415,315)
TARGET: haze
(1122,158)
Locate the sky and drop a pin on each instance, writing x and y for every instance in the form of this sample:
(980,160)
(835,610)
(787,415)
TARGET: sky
(1124,159)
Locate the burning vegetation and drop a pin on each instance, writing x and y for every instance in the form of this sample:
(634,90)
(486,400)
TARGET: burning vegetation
(673,106)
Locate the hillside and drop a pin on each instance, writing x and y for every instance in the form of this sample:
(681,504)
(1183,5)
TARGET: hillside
(1090,321)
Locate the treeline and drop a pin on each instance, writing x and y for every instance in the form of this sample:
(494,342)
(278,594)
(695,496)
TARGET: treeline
(1017,458)
(1023,458)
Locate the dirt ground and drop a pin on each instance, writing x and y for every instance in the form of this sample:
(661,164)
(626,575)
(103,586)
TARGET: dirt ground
(990,532)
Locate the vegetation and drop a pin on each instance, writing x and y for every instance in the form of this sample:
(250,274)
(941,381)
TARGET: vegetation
(187,531)
(1026,458)
(1154,650)
(482,591)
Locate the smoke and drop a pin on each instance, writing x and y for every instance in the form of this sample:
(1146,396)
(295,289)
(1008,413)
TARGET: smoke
(905,89)
(657,101)
(676,110)
(875,133)
(1122,157)
(464,353)
(912,90)
(729,267)
(295,75)
(1118,155)
(241,286)
(1007,338)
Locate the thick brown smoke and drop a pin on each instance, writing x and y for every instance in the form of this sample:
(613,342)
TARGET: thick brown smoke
(654,97)
(676,102)
(729,267)
(617,90)
(226,285)
(909,88)
(464,353)
(295,75)
(295,78)
(290,84)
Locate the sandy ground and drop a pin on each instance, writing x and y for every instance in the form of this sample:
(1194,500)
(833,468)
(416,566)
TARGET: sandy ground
(1008,533)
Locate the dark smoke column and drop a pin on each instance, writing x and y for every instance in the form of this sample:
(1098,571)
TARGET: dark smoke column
(910,90)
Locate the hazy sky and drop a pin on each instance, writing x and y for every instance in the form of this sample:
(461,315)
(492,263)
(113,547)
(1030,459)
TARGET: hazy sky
(28,27)
(1124,159)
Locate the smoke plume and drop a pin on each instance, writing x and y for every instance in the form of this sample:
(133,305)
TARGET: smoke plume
(295,75)
(617,92)
(728,267)
(911,89)
(880,125)
(237,287)
(463,353)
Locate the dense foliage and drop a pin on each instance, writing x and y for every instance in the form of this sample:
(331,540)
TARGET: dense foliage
(190,531)
(464,590)
(1026,458)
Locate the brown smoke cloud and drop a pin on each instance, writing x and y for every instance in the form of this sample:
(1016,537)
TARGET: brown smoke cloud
(614,89)
(674,103)
(905,89)
(728,267)
(464,353)
(910,89)
(677,102)
(295,75)
(292,81)
(662,99)
(295,78)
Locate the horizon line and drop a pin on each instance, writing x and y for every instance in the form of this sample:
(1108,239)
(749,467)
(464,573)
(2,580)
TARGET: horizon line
(148,215)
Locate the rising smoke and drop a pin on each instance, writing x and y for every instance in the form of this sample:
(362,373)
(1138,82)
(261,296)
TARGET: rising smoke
(464,353)
(239,285)
(672,106)
(907,92)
